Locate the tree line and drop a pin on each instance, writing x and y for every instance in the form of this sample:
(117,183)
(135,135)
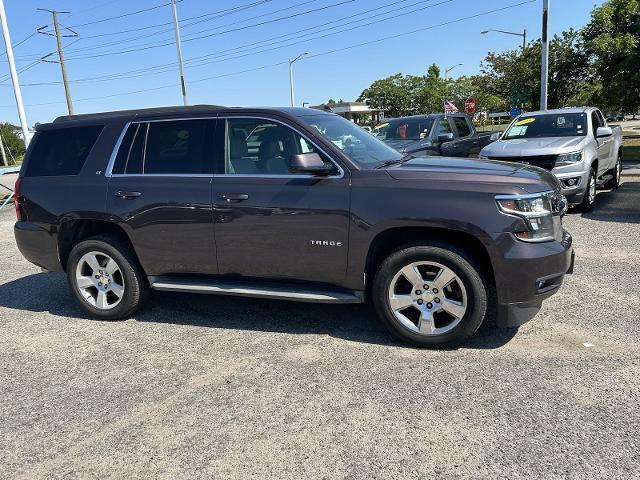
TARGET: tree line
(598,64)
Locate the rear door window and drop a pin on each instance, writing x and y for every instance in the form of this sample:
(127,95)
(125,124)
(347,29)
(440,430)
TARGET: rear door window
(180,147)
(61,151)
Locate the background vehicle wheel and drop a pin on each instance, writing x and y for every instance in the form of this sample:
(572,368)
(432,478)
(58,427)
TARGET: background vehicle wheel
(590,194)
(430,295)
(617,173)
(106,278)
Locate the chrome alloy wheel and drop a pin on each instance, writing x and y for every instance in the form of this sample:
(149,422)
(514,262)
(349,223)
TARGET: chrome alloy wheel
(591,192)
(99,280)
(618,171)
(427,298)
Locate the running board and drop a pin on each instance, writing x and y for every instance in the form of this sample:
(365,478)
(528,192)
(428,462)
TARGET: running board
(270,290)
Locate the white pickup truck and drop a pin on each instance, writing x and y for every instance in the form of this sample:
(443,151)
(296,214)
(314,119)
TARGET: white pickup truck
(575,144)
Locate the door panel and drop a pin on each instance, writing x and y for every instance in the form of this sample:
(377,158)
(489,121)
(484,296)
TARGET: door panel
(279,230)
(169,222)
(270,223)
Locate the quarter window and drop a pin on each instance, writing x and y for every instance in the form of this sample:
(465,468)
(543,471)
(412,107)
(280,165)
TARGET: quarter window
(61,151)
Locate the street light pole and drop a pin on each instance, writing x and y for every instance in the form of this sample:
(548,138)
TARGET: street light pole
(14,74)
(291,62)
(523,35)
(544,71)
(446,72)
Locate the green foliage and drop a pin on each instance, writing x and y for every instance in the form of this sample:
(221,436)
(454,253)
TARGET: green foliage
(13,144)
(400,95)
(597,65)
(515,74)
(612,38)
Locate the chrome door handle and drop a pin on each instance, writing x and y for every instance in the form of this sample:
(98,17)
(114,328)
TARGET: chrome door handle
(233,197)
(129,195)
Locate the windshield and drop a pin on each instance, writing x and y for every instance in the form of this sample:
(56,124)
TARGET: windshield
(550,125)
(361,147)
(408,129)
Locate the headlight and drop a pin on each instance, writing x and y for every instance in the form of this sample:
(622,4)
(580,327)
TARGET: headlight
(569,158)
(537,211)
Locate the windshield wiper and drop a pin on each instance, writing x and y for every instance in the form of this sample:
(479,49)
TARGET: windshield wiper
(400,161)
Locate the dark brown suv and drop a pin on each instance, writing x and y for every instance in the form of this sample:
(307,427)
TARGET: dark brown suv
(292,204)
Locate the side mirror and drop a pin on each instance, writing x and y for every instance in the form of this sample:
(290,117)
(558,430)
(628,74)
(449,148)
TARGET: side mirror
(604,132)
(495,136)
(309,163)
(445,137)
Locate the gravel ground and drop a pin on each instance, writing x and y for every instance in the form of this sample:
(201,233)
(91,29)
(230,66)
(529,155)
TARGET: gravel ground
(215,387)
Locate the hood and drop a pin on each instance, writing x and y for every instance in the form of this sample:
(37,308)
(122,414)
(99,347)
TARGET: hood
(407,145)
(516,147)
(524,177)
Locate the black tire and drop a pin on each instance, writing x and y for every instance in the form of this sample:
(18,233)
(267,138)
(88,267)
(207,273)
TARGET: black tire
(617,173)
(477,290)
(135,281)
(587,202)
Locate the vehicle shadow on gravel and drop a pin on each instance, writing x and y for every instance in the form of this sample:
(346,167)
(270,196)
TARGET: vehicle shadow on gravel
(356,323)
(620,206)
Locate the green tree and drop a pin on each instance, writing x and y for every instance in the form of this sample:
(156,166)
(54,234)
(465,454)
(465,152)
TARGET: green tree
(13,144)
(612,38)
(396,95)
(515,75)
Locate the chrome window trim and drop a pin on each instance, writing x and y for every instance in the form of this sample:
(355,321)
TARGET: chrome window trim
(116,148)
(291,175)
(114,153)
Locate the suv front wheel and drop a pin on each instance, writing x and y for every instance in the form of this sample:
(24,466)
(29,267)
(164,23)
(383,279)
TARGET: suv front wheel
(105,277)
(430,295)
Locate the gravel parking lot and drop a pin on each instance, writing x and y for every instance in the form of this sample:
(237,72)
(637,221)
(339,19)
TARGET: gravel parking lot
(215,387)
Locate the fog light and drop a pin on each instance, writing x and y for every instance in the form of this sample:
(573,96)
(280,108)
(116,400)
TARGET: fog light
(571,182)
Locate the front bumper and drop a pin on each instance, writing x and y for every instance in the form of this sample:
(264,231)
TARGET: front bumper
(574,194)
(530,273)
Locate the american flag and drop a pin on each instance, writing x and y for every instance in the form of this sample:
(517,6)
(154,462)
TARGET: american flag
(449,107)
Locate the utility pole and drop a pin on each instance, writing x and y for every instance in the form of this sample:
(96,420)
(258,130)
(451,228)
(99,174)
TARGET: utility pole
(291,62)
(544,71)
(176,27)
(14,75)
(63,66)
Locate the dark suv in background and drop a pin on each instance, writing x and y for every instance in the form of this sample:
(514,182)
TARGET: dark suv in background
(450,135)
(290,204)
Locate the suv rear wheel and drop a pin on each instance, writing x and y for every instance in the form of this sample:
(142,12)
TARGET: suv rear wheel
(105,277)
(430,295)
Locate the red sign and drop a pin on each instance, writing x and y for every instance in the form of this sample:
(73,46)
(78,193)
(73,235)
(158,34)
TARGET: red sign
(469,105)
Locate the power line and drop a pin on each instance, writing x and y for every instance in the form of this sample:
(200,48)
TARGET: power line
(31,35)
(122,15)
(199,61)
(98,55)
(328,52)
(224,12)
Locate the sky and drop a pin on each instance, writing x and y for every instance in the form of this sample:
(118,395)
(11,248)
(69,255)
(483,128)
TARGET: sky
(236,51)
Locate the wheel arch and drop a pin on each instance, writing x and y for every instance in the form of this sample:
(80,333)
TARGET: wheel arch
(71,232)
(391,239)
